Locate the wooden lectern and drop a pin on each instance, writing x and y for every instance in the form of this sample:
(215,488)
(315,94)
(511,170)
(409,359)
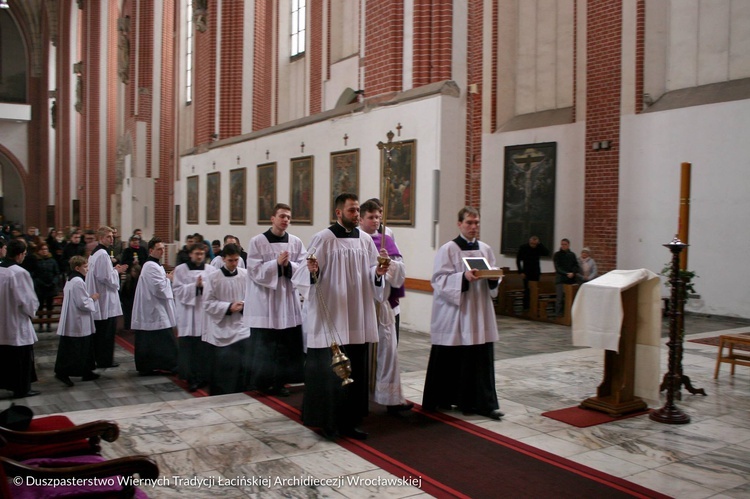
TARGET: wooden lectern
(606,315)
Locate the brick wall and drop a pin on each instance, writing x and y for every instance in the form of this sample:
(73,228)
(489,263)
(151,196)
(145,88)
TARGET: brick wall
(384,41)
(231,48)
(603,79)
(474,70)
(433,38)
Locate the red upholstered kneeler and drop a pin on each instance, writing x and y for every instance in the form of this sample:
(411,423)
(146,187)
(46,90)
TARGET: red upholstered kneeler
(50,436)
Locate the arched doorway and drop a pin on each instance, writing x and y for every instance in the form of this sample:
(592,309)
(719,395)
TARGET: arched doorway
(12,192)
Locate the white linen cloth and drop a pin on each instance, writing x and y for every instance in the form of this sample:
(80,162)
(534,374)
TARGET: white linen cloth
(597,316)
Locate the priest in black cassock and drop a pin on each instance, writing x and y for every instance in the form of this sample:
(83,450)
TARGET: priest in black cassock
(18,304)
(154,317)
(461,369)
(273,307)
(340,287)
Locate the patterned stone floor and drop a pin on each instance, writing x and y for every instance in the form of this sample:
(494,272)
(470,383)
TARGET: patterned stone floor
(537,369)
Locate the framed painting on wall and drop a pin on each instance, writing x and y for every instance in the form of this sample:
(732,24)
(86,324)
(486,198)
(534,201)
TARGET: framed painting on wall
(213,198)
(192,199)
(266,192)
(401,185)
(344,175)
(302,190)
(237,196)
(528,195)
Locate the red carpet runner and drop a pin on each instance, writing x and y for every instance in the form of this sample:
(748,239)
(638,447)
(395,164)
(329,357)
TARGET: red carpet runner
(458,459)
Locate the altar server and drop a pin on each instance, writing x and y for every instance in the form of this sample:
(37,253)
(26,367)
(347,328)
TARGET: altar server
(75,352)
(218,260)
(223,298)
(18,304)
(104,279)
(461,369)
(187,286)
(154,317)
(273,306)
(340,287)
(387,390)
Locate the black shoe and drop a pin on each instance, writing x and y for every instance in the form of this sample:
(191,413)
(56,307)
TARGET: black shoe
(193,387)
(113,364)
(395,409)
(283,392)
(30,393)
(65,379)
(495,414)
(90,377)
(329,433)
(355,434)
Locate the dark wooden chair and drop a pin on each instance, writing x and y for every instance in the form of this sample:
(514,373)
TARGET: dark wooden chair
(65,453)
(52,436)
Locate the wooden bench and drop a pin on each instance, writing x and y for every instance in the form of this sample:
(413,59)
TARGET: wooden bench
(730,340)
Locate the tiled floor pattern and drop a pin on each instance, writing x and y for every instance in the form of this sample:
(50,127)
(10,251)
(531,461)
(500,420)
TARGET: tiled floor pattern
(199,442)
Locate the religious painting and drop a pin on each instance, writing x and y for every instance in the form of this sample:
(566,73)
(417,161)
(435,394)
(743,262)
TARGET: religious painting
(237,196)
(176,236)
(213,198)
(344,175)
(192,199)
(528,195)
(400,187)
(266,192)
(302,190)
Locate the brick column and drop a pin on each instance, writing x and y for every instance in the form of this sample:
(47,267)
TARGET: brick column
(164,185)
(603,83)
(204,93)
(384,44)
(264,64)
(315,14)
(433,38)
(474,68)
(231,48)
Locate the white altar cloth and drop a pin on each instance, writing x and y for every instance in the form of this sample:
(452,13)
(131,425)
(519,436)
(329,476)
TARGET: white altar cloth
(597,318)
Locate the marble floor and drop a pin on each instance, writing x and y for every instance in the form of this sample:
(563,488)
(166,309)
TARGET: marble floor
(234,446)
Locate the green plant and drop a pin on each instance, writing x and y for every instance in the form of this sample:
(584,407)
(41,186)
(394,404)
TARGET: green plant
(687,277)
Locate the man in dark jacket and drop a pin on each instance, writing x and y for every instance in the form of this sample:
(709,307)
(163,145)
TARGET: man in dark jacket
(527,262)
(566,268)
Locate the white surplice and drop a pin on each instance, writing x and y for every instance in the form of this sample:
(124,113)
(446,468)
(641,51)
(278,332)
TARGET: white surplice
(77,315)
(347,283)
(461,318)
(271,302)
(189,309)
(219,291)
(104,279)
(18,304)
(153,307)
(388,378)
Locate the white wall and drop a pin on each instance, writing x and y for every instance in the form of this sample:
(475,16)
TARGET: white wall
(714,139)
(569,189)
(420,119)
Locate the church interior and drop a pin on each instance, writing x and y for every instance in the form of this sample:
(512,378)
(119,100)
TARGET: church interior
(558,118)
